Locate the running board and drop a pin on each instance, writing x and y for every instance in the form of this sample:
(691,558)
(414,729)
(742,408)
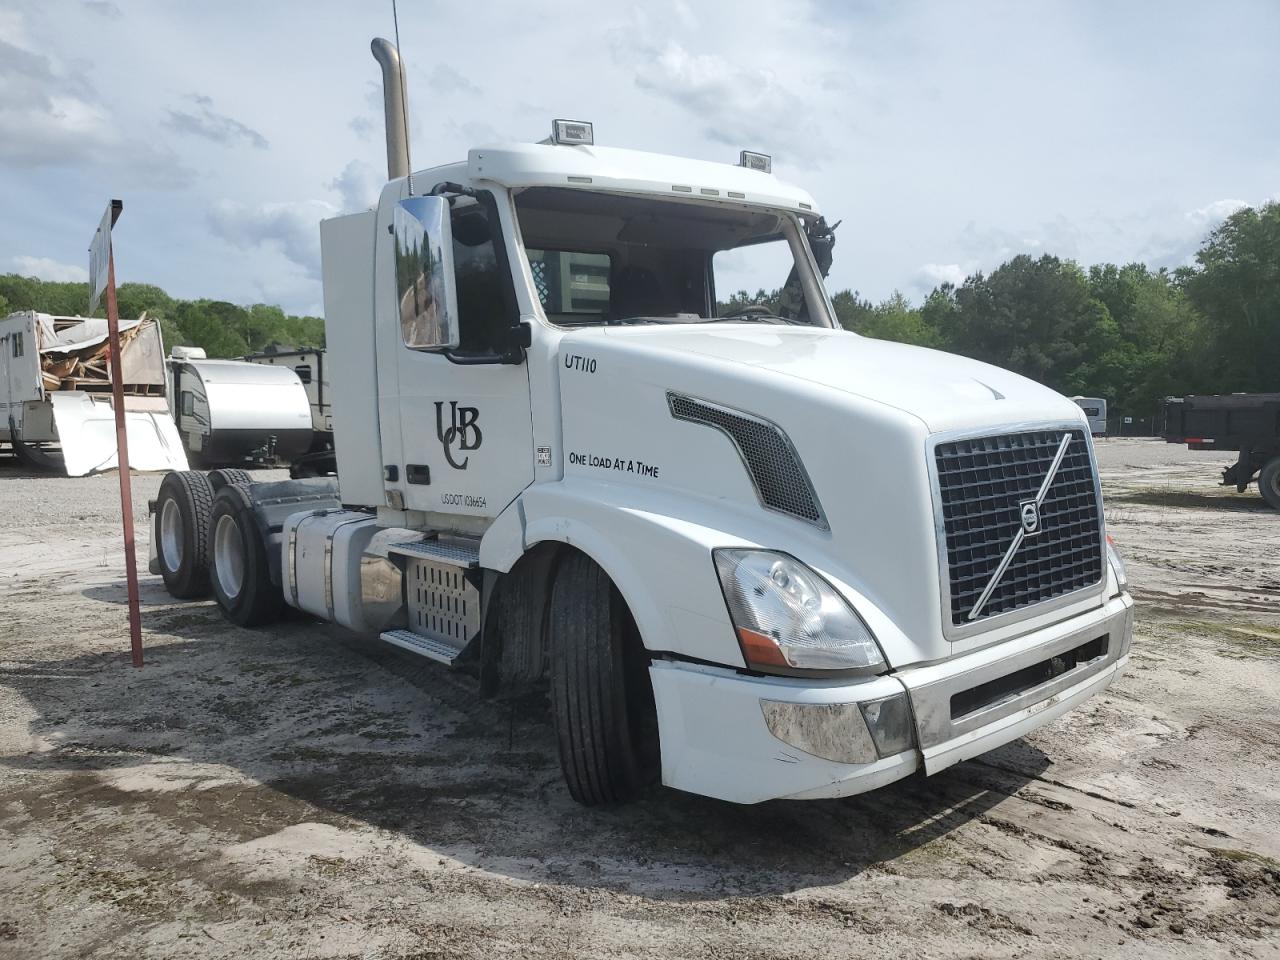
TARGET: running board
(424,646)
(451,553)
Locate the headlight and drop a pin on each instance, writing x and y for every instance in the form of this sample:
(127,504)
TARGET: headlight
(1117,564)
(787,616)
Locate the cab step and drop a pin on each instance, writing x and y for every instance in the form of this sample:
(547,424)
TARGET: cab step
(453,553)
(436,650)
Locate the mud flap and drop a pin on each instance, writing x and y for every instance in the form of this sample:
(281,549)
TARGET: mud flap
(87,434)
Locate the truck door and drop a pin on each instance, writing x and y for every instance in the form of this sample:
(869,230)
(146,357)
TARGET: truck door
(466,434)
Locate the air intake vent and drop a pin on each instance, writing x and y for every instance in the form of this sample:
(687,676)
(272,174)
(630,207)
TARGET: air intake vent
(776,471)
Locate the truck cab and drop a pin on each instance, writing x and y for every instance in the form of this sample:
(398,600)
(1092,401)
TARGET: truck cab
(749,553)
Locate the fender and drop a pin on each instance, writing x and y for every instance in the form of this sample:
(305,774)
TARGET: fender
(660,563)
(645,543)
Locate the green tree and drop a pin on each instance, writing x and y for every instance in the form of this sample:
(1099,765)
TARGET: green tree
(1158,331)
(1236,286)
(1036,317)
(853,310)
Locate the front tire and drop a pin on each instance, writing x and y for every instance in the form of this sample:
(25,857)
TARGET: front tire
(238,567)
(180,532)
(1269,482)
(602,700)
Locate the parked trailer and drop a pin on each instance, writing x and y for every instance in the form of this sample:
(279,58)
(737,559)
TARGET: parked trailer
(1248,423)
(1095,411)
(309,365)
(231,412)
(55,394)
(748,552)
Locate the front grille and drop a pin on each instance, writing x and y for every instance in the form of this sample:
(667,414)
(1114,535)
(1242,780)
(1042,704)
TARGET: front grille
(983,483)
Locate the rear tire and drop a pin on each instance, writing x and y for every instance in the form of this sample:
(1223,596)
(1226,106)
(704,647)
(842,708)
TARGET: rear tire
(226,476)
(180,532)
(238,567)
(602,700)
(1269,482)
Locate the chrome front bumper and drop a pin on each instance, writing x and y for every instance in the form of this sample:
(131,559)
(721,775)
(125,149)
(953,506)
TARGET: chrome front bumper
(946,736)
(749,738)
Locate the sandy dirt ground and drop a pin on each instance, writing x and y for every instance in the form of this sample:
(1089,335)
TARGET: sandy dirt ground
(300,792)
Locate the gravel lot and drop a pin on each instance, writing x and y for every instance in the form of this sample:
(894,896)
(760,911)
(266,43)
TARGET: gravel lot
(299,792)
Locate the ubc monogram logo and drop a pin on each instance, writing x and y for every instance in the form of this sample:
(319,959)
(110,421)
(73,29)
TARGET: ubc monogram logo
(462,430)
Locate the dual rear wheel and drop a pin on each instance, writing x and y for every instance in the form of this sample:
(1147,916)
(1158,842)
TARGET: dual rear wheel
(207,541)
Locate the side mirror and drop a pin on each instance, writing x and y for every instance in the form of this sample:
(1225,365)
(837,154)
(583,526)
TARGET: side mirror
(428,302)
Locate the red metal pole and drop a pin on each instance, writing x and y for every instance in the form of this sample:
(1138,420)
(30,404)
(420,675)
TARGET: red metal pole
(122,455)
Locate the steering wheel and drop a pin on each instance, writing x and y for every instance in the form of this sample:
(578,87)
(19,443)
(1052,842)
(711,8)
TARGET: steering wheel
(751,310)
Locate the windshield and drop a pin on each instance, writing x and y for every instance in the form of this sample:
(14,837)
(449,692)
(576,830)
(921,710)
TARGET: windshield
(610,259)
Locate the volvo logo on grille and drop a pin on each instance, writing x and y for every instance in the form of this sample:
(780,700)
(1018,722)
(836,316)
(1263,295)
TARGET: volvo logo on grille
(1029,526)
(1030,513)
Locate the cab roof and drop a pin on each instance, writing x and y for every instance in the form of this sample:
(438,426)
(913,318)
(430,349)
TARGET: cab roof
(519,165)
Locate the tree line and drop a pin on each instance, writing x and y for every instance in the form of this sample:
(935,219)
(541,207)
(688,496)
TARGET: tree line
(1131,334)
(222,329)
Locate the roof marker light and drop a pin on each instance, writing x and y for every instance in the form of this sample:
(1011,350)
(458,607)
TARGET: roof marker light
(573,133)
(756,161)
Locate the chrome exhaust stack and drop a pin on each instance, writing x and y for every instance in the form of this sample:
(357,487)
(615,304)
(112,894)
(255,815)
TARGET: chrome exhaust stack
(393,100)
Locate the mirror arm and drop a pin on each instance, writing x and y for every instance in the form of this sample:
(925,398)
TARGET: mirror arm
(450,190)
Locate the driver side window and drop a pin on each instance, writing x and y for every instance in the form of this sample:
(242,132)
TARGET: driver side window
(485,303)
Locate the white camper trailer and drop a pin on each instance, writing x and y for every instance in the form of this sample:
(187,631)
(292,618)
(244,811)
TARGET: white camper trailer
(232,412)
(55,394)
(312,370)
(1095,409)
(310,367)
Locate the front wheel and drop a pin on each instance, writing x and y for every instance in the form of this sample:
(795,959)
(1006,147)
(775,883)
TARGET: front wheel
(238,567)
(1269,482)
(602,700)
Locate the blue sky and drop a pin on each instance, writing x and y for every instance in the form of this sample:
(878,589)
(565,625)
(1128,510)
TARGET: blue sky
(947,136)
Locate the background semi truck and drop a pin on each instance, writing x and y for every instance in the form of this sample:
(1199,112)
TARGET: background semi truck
(746,552)
(1246,423)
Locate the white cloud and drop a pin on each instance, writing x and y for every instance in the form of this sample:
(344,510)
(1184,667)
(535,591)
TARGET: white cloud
(358,185)
(1212,214)
(103,8)
(46,111)
(445,79)
(46,268)
(51,115)
(292,228)
(206,122)
(934,274)
(738,101)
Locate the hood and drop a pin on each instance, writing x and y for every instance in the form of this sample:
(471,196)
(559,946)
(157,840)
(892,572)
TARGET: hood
(943,390)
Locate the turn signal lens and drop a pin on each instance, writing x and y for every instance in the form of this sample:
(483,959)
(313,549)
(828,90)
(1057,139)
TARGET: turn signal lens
(787,616)
(1117,564)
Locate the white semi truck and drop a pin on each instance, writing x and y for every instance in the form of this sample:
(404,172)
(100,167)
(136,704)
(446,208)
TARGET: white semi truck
(751,554)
